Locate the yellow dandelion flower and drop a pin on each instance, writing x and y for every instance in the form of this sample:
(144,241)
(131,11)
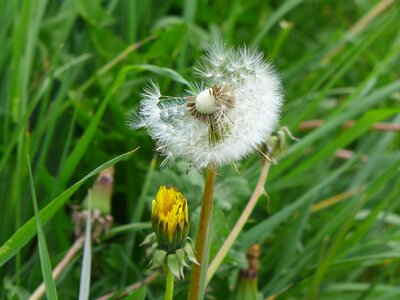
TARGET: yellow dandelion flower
(170,219)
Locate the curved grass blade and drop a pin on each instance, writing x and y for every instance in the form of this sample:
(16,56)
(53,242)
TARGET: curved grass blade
(166,72)
(128,228)
(28,230)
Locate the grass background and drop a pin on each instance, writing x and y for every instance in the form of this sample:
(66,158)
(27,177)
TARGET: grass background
(72,70)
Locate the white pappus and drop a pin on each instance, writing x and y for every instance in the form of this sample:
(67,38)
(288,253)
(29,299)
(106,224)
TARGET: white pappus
(232,112)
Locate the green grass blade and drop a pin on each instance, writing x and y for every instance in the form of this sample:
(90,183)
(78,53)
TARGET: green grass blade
(295,151)
(258,233)
(45,263)
(348,136)
(331,228)
(26,232)
(74,158)
(338,239)
(166,72)
(127,229)
(286,7)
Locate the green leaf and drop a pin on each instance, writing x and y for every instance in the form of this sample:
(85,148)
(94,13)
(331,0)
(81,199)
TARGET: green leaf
(139,294)
(166,72)
(25,233)
(45,263)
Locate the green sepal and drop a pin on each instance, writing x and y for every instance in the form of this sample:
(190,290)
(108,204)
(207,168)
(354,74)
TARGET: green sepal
(158,258)
(149,239)
(181,271)
(180,253)
(153,248)
(173,265)
(189,251)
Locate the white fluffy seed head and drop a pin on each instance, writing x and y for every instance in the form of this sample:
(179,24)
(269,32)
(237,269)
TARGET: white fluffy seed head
(206,103)
(223,123)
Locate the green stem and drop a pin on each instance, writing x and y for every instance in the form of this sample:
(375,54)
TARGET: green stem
(169,286)
(197,279)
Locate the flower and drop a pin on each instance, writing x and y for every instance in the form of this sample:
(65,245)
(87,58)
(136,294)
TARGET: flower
(170,220)
(230,113)
(169,241)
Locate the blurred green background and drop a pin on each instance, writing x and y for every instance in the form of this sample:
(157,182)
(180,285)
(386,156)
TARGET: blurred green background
(71,71)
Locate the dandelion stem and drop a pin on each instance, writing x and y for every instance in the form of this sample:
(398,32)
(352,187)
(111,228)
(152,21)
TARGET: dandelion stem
(169,286)
(197,279)
(240,223)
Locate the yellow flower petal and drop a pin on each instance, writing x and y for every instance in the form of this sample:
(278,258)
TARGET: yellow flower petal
(169,209)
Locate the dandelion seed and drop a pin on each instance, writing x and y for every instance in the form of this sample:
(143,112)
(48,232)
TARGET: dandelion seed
(232,111)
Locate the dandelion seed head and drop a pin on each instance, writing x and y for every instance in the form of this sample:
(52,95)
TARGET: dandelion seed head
(233,110)
(205,102)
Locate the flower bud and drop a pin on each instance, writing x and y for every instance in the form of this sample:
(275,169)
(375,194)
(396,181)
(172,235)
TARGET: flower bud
(170,219)
(100,195)
(169,241)
(246,286)
(102,191)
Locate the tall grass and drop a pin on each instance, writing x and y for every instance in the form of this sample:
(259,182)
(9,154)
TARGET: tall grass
(70,72)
